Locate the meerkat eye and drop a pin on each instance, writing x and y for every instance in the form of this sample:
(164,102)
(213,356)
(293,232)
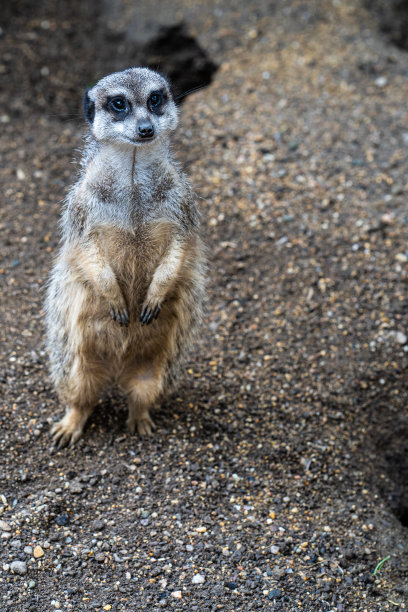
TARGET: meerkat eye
(119,105)
(155,100)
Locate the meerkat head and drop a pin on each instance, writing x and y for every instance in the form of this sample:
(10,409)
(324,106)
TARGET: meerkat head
(132,107)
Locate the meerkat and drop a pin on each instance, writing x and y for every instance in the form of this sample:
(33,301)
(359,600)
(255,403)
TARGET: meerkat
(126,290)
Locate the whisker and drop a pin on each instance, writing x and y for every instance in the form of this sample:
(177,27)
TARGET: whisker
(190,91)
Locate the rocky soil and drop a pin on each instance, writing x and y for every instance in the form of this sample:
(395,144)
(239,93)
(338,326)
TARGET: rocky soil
(277,478)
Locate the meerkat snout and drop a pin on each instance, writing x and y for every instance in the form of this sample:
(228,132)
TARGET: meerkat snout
(145,129)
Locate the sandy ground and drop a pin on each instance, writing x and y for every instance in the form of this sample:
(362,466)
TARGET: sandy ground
(277,478)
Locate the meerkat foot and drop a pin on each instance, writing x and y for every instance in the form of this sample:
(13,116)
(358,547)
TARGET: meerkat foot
(69,429)
(120,315)
(142,422)
(149,313)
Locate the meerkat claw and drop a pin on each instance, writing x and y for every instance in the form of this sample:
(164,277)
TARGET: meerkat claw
(125,317)
(121,317)
(69,429)
(149,313)
(60,438)
(143,315)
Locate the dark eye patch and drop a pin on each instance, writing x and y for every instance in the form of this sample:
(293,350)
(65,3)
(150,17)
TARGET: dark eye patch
(156,101)
(118,106)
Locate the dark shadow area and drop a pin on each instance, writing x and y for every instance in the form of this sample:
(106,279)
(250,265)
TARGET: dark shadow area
(396,464)
(177,54)
(393,20)
(390,468)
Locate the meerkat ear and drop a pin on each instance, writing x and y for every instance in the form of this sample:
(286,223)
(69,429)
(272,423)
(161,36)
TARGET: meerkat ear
(89,107)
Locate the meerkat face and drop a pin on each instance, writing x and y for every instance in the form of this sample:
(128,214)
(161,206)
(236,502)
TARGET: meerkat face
(133,107)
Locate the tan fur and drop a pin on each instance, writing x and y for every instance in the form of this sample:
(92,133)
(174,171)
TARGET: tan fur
(108,273)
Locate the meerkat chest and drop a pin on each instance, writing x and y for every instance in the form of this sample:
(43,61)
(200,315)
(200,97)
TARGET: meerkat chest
(131,206)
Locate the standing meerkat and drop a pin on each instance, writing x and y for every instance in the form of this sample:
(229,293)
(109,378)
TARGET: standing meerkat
(126,290)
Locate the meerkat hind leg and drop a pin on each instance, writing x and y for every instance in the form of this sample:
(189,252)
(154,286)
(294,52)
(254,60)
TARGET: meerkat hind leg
(81,391)
(139,417)
(143,388)
(69,429)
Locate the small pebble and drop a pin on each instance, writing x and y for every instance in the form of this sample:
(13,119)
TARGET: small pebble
(387,219)
(75,487)
(400,337)
(381,81)
(231,585)
(198,579)
(38,552)
(278,572)
(18,567)
(98,525)
(4,526)
(176,594)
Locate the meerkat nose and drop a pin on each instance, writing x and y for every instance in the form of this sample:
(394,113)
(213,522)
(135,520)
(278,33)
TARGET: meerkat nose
(145,129)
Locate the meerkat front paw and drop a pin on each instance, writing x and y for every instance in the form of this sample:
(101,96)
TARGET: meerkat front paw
(120,315)
(150,311)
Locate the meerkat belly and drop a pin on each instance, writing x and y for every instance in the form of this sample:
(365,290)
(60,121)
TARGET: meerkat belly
(134,257)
